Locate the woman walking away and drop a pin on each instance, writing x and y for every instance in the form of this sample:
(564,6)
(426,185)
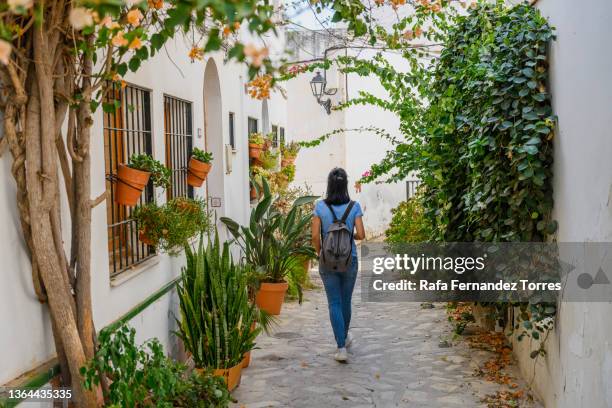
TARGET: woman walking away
(336,224)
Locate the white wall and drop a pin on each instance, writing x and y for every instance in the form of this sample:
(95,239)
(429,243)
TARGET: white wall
(26,341)
(307,120)
(366,148)
(577,371)
(353,151)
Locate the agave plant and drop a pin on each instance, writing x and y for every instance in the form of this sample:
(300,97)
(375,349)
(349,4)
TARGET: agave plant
(273,242)
(217,318)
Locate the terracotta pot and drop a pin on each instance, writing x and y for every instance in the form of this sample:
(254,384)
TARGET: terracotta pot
(287,161)
(246,361)
(130,183)
(231,375)
(197,172)
(255,150)
(270,297)
(144,238)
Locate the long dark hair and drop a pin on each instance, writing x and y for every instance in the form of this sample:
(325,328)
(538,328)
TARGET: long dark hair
(337,187)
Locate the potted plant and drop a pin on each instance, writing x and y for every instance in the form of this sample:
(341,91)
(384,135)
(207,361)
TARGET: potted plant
(133,177)
(270,243)
(216,314)
(170,227)
(268,159)
(150,221)
(257,174)
(256,144)
(289,152)
(199,166)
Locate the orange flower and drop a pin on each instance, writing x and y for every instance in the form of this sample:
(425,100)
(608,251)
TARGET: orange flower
(436,8)
(418,31)
(408,35)
(135,44)
(156,4)
(236,25)
(259,88)
(109,23)
(226,31)
(256,55)
(134,17)
(396,3)
(119,41)
(196,53)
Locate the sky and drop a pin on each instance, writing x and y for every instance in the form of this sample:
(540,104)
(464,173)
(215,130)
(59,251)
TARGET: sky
(300,13)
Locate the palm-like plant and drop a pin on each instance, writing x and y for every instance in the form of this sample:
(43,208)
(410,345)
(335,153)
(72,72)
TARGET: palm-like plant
(274,242)
(216,314)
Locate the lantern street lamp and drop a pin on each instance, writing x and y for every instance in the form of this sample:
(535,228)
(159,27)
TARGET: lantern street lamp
(318,85)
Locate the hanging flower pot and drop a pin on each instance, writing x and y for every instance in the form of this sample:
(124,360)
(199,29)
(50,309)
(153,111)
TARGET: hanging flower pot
(271,296)
(197,172)
(255,150)
(144,238)
(287,161)
(198,167)
(130,183)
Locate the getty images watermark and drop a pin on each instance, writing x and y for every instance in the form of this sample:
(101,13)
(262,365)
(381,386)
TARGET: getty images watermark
(485,272)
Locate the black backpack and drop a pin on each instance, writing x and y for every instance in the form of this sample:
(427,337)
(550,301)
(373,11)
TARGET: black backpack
(337,244)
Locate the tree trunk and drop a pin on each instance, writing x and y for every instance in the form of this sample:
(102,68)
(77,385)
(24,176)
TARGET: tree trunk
(42,182)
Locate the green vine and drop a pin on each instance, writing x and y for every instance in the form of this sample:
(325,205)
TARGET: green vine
(478,128)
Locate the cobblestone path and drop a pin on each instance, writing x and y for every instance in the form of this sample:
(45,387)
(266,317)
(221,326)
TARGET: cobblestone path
(395,361)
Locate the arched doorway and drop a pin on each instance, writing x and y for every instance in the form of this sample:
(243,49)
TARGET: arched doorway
(213,137)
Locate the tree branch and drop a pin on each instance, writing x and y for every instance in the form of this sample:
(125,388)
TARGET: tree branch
(98,200)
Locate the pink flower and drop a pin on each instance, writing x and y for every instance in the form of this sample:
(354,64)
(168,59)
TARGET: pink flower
(366,173)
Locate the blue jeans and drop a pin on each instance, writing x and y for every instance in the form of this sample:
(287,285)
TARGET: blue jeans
(339,289)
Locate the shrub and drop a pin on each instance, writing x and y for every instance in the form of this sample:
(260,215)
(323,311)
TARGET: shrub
(142,376)
(170,226)
(408,223)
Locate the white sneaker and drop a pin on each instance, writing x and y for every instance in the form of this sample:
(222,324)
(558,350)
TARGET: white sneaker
(341,355)
(348,341)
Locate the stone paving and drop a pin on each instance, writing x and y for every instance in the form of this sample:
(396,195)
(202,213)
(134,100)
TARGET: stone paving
(396,360)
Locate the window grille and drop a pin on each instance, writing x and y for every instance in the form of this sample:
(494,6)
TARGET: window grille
(411,188)
(127,131)
(232,134)
(253,126)
(282,136)
(178,129)
(274,136)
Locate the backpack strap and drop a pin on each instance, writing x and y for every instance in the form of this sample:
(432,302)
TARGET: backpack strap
(332,211)
(347,211)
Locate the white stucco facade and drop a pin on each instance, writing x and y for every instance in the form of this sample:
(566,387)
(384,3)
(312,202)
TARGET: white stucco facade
(352,150)
(215,89)
(577,370)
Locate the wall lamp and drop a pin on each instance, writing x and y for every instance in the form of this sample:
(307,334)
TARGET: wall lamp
(318,85)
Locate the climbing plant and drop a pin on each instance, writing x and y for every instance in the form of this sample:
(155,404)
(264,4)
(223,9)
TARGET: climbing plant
(477,126)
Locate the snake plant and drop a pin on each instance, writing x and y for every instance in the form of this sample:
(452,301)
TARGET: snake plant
(216,314)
